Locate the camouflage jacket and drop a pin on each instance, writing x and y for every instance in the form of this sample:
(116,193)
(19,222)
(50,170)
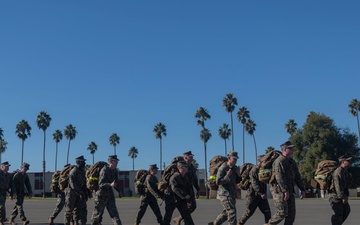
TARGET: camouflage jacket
(22,184)
(340,183)
(106,177)
(286,175)
(77,181)
(151,186)
(180,186)
(256,187)
(227,184)
(193,177)
(6,182)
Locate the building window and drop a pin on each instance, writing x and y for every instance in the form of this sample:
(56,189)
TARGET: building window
(38,181)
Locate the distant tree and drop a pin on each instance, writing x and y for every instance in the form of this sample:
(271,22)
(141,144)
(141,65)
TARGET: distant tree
(205,136)
(92,148)
(160,131)
(43,122)
(250,128)
(3,147)
(224,133)
(114,140)
(1,133)
(269,149)
(242,115)
(23,131)
(354,110)
(319,139)
(57,137)
(133,152)
(229,103)
(291,127)
(70,134)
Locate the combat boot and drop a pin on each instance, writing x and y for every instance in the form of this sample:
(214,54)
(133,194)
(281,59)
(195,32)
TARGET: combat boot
(12,222)
(51,221)
(177,220)
(211,223)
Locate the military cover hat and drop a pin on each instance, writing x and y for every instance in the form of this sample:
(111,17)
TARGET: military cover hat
(233,154)
(188,153)
(153,167)
(344,158)
(5,163)
(287,144)
(113,157)
(80,159)
(26,165)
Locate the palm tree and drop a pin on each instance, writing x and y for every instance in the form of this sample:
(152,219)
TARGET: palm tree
(202,114)
(229,103)
(250,127)
(160,130)
(291,127)
(70,134)
(1,133)
(354,110)
(57,137)
(133,152)
(269,149)
(92,148)
(242,115)
(43,122)
(205,136)
(23,131)
(224,133)
(3,147)
(114,140)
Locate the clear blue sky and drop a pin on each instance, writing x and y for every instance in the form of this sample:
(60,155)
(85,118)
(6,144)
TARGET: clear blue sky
(124,66)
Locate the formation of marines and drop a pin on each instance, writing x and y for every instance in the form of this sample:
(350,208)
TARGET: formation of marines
(180,193)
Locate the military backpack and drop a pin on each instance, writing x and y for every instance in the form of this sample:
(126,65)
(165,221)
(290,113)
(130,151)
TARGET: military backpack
(54,186)
(139,182)
(265,165)
(168,172)
(64,177)
(215,163)
(323,173)
(92,175)
(245,176)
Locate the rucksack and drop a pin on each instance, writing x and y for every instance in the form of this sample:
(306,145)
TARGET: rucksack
(323,173)
(64,177)
(245,178)
(92,175)
(168,172)
(54,186)
(215,163)
(265,165)
(139,182)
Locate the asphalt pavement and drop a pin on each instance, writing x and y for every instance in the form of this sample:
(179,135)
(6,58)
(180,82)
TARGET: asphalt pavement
(309,212)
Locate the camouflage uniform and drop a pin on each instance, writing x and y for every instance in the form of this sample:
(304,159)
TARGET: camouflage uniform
(76,196)
(6,184)
(59,206)
(254,199)
(227,194)
(194,182)
(150,198)
(285,174)
(338,191)
(105,196)
(23,187)
(180,187)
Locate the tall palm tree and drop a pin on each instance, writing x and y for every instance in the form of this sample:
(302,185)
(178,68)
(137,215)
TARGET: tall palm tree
(250,127)
(202,115)
(354,110)
(160,131)
(92,148)
(205,136)
(114,140)
(1,133)
(3,147)
(229,103)
(70,134)
(57,137)
(23,131)
(242,115)
(43,122)
(291,127)
(224,133)
(133,152)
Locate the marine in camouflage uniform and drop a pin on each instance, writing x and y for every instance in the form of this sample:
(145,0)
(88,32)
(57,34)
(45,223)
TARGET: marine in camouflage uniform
(179,195)
(339,192)
(256,197)
(285,174)
(105,197)
(23,187)
(6,185)
(192,174)
(227,177)
(150,197)
(76,194)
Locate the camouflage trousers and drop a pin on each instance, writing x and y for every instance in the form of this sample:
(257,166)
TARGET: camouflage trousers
(18,208)
(252,203)
(148,200)
(284,209)
(105,199)
(75,207)
(229,211)
(341,210)
(2,206)
(59,205)
(171,203)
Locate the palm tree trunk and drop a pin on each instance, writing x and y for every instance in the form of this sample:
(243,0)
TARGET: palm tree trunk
(206,189)
(255,149)
(225,148)
(243,143)
(67,160)
(133,164)
(232,132)
(160,154)
(22,153)
(357,118)
(56,153)
(44,165)
(93,159)
(114,149)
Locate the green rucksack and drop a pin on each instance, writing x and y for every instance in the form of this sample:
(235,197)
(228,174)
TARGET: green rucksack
(245,178)
(54,186)
(139,182)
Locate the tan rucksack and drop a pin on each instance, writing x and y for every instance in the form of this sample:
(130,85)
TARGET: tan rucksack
(245,178)
(265,165)
(168,172)
(92,175)
(323,173)
(64,177)
(139,182)
(54,186)
(215,163)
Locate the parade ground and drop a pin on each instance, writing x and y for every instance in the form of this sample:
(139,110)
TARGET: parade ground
(309,211)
